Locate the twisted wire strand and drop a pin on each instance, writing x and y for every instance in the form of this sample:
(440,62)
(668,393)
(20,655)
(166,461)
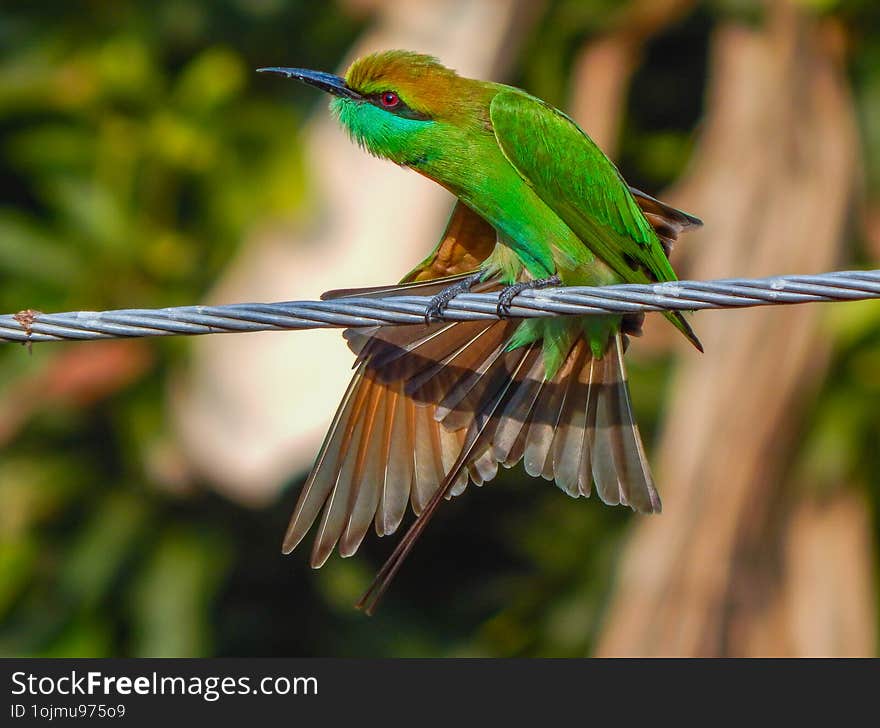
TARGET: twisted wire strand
(32,326)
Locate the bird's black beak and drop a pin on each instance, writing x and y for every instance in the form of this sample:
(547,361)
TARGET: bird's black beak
(325,81)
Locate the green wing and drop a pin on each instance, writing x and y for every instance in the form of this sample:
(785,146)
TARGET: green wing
(581,185)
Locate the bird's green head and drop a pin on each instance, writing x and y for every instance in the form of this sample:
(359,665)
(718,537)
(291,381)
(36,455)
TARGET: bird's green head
(401,105)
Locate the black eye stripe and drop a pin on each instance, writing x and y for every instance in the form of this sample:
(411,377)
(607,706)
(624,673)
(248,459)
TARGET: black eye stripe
(401,109)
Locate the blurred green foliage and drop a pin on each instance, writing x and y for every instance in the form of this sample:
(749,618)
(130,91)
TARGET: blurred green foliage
(136,149)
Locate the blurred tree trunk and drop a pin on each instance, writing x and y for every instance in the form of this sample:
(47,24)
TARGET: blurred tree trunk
(603,68)
(738,564)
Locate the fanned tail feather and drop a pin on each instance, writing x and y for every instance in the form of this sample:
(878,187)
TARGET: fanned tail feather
(482,425)
(432,408)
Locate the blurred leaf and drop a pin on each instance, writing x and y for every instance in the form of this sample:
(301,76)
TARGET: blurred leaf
(17,558)
(213,78)
(170,600)
(114,527)
(29,251)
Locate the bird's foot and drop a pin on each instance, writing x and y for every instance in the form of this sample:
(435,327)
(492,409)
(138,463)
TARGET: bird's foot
(505,298)
(438,303)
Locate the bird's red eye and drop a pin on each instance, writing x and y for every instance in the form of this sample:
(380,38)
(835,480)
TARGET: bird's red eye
(389,99)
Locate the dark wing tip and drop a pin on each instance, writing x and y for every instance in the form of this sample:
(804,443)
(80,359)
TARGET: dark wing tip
(693,220)
(652,204)
(686,329)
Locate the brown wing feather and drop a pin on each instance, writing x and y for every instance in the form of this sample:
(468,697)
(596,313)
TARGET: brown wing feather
(667,221)
(432,407)
(466,243)
(576,429)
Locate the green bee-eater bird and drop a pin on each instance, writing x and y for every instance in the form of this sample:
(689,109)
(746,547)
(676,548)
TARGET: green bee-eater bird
(434,406)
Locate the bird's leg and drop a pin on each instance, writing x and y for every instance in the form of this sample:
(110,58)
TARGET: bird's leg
(505,298)
(439,302)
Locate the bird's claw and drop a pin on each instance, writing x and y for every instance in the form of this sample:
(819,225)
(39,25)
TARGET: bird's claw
(435,309)
(505,298)
(438,304)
